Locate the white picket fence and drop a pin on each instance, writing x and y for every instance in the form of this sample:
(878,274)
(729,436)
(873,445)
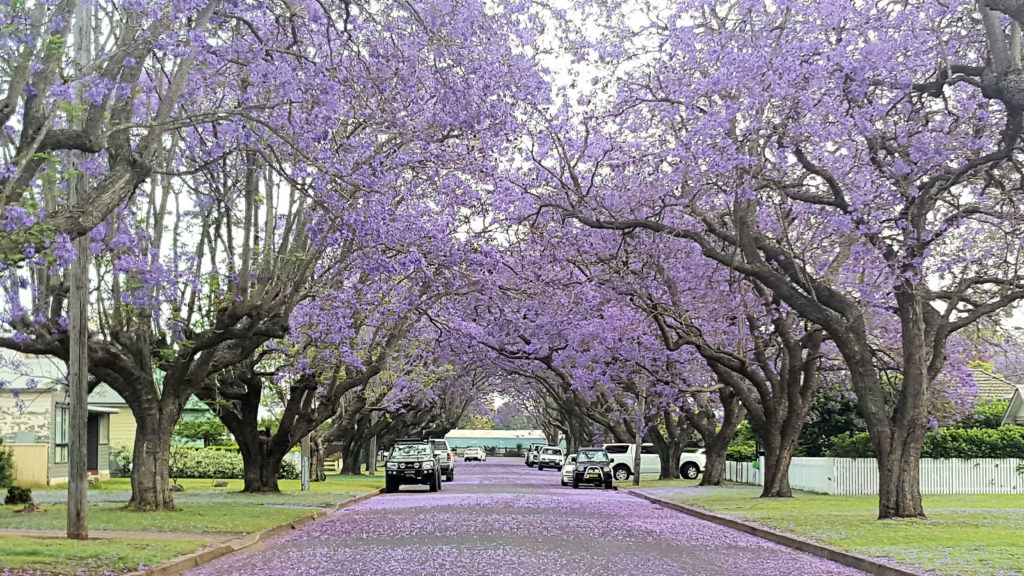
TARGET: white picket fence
(859,476)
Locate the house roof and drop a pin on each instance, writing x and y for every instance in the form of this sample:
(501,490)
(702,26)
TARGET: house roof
(1015,412)
(992,386)
(482,434)
(106,396)
(30,371)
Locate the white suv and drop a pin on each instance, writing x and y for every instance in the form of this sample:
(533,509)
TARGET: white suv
(550,457)
(691,464)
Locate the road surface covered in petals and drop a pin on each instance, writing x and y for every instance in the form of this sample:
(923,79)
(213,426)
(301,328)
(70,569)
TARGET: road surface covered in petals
(501,518)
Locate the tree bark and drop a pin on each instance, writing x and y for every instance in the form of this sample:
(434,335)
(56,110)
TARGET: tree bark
(151,488)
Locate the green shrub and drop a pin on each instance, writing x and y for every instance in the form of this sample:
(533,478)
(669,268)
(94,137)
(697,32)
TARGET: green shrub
(6,466)
(847,445)
(216,462)
(1002,442)
(741,452)
(18,495)
(187,462)
(288,471)
(988,414)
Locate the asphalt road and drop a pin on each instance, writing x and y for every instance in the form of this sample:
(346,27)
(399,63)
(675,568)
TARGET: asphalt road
(501,518)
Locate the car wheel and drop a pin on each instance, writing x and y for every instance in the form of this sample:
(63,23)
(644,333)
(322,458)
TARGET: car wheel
(689,470)
(390,486)
(450,476)
(608,484)
(539,467)
(575,483)
(622,472)
(435,483)
(564,483)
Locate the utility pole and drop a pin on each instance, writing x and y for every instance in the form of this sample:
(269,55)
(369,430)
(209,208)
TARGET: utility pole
(639,437)
(78,332)
(305,463)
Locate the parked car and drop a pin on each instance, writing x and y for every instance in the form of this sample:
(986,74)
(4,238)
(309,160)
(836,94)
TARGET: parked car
(568,468)
(593,466)
(532,452)
(691,464)
(550,457)
(412,462)
(445,456)
(476,453)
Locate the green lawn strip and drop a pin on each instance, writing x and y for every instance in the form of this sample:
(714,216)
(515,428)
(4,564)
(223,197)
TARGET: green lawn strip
(196,518)
(655,483)
(968,535)
(94,556)
(204,508)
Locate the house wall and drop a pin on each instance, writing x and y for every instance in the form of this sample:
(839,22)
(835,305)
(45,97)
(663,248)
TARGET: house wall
(122,428)
(58,471)
(30,464)
(27,418)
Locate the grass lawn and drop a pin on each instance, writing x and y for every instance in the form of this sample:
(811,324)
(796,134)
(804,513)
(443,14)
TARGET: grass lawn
(97,556)
(202,507)
(973,535)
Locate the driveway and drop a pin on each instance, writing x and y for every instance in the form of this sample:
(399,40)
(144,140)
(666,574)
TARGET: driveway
(501,518)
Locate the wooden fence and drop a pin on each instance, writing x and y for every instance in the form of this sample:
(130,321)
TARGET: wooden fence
(859,476)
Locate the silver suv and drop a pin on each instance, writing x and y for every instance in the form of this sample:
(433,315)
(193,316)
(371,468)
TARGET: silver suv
(445,456)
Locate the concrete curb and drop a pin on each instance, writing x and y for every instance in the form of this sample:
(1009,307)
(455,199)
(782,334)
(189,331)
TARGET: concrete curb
(195,559)
(863,563)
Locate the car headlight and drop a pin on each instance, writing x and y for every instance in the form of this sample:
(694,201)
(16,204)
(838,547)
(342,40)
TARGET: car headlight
(428,464)
(392,465)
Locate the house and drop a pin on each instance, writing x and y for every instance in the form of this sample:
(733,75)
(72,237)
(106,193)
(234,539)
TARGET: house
(992,386)
(497,442)
(34,410)
(34,414)
(1015,413)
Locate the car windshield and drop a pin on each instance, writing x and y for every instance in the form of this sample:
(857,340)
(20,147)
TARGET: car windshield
(592,456)
(551,451)
(411,450)
(439,445)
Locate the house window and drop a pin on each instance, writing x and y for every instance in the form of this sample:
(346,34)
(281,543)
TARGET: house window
(104,429)
(60,434)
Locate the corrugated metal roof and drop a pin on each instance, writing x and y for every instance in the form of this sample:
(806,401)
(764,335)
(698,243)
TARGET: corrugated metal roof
(484,434)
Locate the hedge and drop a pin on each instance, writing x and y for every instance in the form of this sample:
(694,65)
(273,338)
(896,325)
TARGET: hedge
(6,466)
(214,462)
(1002,442)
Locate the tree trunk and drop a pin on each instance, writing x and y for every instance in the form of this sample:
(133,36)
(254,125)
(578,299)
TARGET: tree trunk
(317,455)
(352,457)
(714,467)
(261,462)
(151,456)
(717,438)
(776,470)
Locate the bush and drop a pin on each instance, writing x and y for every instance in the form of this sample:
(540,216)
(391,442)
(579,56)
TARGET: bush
(288,471)
(741,452)
(848,445)
(123,457)
(743,447)
(187,462)
(17,495)
(6,466)
(1003,442)
(988,414)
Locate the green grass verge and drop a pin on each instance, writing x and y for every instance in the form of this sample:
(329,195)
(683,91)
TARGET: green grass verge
(96,556)
(203,508)
(965,535)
